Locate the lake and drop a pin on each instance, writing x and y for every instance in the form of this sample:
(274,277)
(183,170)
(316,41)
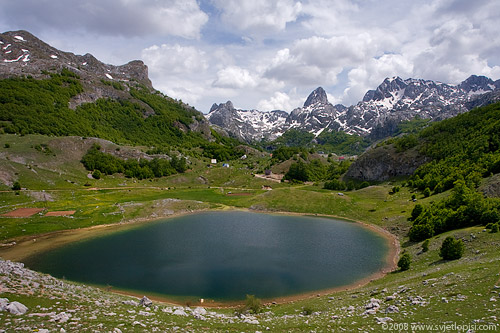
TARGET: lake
(223,256)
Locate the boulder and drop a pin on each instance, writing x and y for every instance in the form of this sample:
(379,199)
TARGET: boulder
(145,301)
(180,312)
(383,320)
(199,311)
(392,309)
(16,308)
(3,304)
(62,317)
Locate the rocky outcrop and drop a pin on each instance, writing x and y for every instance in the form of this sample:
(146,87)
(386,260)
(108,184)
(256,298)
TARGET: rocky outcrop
(21,53)
(383,163)
(491,187)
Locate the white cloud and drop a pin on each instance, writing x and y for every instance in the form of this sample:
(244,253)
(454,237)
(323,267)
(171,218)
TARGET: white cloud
(318,60)
(327,17)
(182,18)
(234,77)
(258,17)
(279,101)
(174,59)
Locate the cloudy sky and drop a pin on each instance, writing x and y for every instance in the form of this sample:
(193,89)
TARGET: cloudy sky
(270,54)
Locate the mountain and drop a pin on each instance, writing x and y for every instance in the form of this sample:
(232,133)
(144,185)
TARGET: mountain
(48,91)
(376,116)
(248,125)
(24,54)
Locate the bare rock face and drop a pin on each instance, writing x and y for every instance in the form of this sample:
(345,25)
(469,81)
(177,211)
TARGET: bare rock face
(491,188)
(21,53)
(385,162)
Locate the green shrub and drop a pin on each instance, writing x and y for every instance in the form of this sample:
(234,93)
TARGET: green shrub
(307,311)
(452,249)
(16,186)
(421,232)
(417,210)
(425,245)
(96,174)
(494,228)
(252,304)
(404,262)
(394,190)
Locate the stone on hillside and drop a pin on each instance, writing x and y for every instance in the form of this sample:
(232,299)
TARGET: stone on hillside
(145,301)
(392,309)
(374,304)
(145,313)
(130,302)
(383,320)
(199,311)
(3,304)
(61,317)
(370,312)
(180,312)
(138,323)
(251,321)
(16,308)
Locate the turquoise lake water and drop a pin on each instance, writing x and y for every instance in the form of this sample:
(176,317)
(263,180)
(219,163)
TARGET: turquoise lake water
(223,256)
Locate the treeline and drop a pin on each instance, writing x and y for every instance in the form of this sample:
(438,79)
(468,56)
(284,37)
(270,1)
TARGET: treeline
(339,143)
(339,185)
(96,160)
(463,150)
(308,167)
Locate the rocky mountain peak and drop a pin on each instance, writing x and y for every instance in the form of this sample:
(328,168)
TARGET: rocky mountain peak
(21,53)
(475,83)
(317,96)
(385,89)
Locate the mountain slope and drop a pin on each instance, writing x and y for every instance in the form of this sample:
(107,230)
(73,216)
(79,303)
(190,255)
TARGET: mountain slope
(376,116)
(47,91)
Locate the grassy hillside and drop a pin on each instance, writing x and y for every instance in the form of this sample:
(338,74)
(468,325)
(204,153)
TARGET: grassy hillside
(32,106)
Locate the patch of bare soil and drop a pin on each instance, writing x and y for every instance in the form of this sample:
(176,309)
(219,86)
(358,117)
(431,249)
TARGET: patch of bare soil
(23,212)
(61,213)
